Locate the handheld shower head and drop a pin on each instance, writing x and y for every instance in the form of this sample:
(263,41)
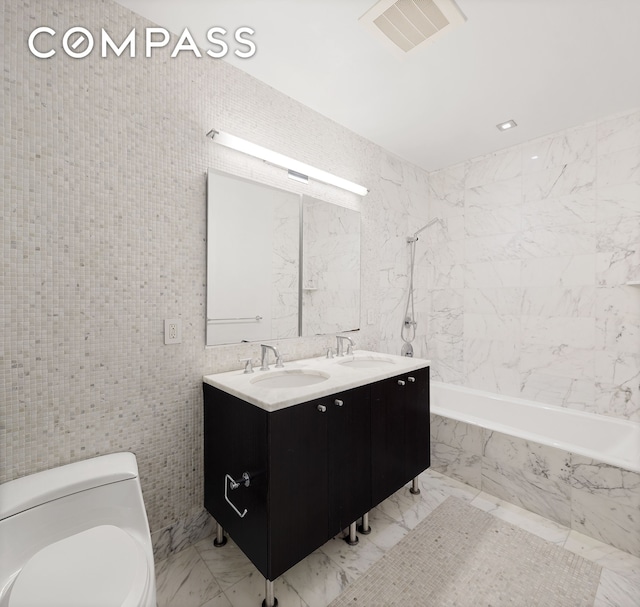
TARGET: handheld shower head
(424,227)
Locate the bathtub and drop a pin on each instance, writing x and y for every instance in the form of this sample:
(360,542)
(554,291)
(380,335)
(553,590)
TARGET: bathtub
(579,469)
(607,439)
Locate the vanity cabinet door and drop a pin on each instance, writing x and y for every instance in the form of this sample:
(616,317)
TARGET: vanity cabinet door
(400,431)
(319,473)
(388,446)
(349,454)
(417,440)
(298,483)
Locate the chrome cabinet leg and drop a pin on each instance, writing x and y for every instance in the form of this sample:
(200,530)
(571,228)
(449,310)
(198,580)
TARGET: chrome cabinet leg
(352,538)
(269,599)
(415,488)
(364,528)
(220,540)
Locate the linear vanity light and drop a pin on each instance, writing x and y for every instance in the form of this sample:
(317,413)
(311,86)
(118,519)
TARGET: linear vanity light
(297,170)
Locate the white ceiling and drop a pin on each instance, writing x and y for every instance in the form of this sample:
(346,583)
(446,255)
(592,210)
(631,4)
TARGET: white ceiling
(548,64)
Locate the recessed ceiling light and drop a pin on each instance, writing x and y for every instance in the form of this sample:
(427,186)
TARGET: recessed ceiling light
(534,157)
(505,126)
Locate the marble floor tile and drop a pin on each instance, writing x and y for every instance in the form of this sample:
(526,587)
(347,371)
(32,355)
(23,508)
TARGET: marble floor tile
(250,592)
(616,591)
(205,576)
(385,532)
(407,509)
(422,505)
(220,601)
(533,523)
(318,579)
(228,563)
(396,507)
(184,579)
(431,481)
(608,557)
(355,560)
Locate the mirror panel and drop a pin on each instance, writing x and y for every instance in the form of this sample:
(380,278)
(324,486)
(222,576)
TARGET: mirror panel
(331,268)
(260,284)
(252,261)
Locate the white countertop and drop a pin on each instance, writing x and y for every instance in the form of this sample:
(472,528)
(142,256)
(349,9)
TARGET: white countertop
(340,377)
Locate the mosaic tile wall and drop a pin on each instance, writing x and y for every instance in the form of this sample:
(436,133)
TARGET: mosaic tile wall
(103,237)
(529,266)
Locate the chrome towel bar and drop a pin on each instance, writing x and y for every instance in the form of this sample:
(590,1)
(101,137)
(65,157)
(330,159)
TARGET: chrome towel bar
(256,318)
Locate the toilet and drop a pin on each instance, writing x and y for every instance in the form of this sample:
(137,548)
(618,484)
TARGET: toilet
(77,536)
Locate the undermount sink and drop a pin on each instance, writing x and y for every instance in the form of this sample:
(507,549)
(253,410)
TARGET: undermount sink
(290,379)
(368,362)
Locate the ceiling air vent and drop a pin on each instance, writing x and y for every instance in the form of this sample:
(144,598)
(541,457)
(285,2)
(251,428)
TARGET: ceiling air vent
(412,23)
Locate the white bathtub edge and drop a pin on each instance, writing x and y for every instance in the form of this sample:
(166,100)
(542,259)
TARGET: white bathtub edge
(535,437)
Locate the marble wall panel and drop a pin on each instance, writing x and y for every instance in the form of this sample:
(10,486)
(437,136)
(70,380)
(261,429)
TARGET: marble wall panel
(564,210)
(499,166)
(606,520)
(493,274)
(551,237)
(558,302)
(569,146)
(456,450)
(618,132)
(527,474)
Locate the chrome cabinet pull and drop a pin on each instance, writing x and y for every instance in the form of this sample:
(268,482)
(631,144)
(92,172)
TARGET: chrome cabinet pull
(339,402)
(401,382)
(411,379)
(322,408)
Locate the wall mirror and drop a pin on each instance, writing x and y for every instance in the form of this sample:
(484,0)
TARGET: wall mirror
(279,264)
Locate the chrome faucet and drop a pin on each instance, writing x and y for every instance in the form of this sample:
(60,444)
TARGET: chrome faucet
(339,348)
(265,357)
(248,364)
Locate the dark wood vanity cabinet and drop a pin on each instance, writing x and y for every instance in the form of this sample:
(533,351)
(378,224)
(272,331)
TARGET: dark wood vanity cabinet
(314,467)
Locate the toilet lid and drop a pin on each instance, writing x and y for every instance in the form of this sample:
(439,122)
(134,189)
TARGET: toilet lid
(101,567)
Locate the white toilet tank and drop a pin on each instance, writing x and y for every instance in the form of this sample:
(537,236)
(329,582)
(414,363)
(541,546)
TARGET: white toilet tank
(77,536)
